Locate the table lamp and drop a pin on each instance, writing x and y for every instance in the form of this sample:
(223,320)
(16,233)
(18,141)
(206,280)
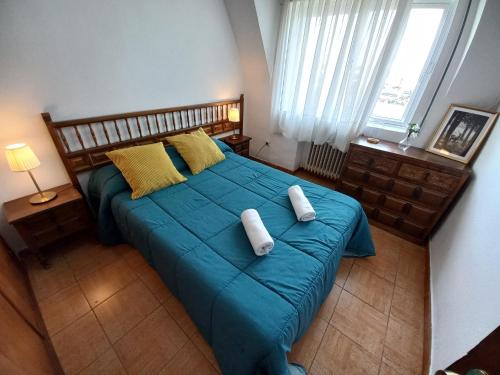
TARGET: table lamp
(22,159)
(234,117)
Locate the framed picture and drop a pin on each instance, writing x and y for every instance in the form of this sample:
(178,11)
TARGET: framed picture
(461,132)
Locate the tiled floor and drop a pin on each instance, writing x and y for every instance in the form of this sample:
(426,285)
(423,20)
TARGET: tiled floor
(108,312)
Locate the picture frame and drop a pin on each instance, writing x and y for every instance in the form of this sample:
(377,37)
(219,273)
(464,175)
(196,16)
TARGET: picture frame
(461,132)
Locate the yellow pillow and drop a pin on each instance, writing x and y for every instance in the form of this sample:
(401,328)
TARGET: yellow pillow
(146,168)
(197,149)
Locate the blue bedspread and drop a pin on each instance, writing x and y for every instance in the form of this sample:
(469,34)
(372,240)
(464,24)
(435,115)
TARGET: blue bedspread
(250,309)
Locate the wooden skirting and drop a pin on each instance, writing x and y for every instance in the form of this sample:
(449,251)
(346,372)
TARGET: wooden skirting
(427,315)
(273,165)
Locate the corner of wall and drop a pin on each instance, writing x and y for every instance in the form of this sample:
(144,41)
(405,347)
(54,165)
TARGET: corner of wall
(250,20)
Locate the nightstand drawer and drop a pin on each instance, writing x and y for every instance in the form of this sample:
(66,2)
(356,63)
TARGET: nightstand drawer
(67,212)
(37,223)
(240,147)
(73,225)
(46,236)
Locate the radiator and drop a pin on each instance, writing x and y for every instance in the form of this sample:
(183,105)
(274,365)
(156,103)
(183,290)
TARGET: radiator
(323,160)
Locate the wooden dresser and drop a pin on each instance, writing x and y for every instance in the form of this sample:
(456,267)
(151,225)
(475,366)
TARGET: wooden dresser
(405,193)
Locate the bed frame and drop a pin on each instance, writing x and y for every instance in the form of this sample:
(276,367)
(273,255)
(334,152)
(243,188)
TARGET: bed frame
(83,143)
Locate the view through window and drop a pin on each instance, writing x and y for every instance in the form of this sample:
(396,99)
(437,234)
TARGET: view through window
(410,67)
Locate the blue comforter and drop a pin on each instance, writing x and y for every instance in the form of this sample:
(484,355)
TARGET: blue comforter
(250,309)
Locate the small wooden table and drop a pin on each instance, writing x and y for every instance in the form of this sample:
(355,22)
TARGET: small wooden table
(43,224)
(240,145)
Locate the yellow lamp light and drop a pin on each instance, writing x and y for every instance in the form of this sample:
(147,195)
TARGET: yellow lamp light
(234,117)
(21,158)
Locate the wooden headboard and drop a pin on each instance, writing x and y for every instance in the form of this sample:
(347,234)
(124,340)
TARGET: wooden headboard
(83,143)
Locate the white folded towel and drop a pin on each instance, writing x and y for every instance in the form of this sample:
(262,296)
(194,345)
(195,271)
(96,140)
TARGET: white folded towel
(301,205)
(257,233)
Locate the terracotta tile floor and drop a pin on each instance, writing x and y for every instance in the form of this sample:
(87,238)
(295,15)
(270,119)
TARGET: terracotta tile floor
(108,312)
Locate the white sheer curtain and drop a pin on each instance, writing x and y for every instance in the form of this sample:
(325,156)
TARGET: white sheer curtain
(329,66)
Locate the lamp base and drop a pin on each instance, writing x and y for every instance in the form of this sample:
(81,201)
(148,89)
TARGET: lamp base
(43,197)
(234,137)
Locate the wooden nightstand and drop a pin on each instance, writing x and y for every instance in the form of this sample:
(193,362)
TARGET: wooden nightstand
(241,145)
(43,224)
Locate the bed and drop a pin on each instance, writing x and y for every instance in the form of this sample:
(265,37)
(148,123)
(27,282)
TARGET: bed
(249,309)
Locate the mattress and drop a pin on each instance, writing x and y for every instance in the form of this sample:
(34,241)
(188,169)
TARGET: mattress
(249,309)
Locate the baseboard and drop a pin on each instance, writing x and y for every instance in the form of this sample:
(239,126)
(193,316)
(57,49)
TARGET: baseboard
(273,165)
(427,315)
(38,326)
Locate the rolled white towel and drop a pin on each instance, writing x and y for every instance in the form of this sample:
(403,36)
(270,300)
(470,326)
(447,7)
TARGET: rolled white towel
(301,205)
(257,233)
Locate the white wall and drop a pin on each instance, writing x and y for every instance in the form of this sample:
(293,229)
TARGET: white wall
(269,17)
(247,27)
(465,257)
(85,58)
(465,252)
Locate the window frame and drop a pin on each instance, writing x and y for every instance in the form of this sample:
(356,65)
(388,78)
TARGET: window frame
(427,70)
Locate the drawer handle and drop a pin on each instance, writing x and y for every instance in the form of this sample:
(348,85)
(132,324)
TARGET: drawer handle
(371,161)
(417,192)
(398,221)
(359,190)
(390,184)
(407,207)
(366,176)
(426,175)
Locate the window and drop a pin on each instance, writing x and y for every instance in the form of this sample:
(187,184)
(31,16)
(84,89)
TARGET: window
(412,65)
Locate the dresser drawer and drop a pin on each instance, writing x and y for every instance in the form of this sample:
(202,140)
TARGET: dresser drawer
(403,188)
(415,213)
(369,195)
(431,198)
(443,180)
(397,205)
(362,193)
(368,177)
(421,215)
(349,188)
(412,229)
(370,211)
(356,174)
(418,193)
(388,218)
(380,181)
(374,162)
(424,175)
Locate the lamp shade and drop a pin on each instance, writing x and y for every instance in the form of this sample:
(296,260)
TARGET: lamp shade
(21,158)
(234,115)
